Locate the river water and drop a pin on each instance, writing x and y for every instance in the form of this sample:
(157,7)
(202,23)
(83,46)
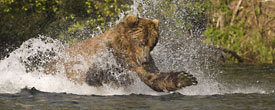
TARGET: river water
(248,87)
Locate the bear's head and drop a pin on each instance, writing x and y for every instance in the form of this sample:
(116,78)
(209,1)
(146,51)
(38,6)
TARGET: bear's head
(137,37)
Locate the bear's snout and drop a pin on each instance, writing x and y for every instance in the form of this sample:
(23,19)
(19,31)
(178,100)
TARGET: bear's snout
(145,57)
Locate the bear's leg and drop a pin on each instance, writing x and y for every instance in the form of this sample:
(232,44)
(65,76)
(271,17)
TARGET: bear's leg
(113,76)
(150,65)
(97,77)
(94,77)
(169,81)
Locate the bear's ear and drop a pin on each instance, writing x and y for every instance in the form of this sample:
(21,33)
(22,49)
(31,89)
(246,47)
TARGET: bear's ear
(131,20)
(156,23)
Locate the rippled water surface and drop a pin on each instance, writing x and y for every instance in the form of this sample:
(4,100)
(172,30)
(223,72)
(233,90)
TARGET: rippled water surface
(248,87)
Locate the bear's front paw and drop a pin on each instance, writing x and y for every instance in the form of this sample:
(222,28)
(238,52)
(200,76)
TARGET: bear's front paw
(182,79)
(173,81)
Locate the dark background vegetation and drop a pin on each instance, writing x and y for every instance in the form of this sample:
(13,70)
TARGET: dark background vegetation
(245,27)
(24,19)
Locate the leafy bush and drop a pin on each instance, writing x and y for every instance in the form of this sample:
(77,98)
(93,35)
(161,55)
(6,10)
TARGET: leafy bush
(24,19)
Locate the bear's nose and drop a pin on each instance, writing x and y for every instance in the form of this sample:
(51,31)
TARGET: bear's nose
(145,59)
(146,55)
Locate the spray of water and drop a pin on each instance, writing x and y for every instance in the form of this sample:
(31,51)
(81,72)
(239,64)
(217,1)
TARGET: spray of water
(178,49)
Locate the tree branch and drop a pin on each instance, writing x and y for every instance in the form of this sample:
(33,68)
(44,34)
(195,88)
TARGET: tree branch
(227,51)
(235,12)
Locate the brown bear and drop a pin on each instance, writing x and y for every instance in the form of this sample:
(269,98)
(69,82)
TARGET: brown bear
(131,41)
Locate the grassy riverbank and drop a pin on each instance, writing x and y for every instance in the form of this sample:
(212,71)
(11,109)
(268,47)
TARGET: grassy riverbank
(244,26)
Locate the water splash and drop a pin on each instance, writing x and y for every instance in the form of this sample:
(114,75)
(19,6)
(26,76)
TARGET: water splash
(178,49)
(16,75)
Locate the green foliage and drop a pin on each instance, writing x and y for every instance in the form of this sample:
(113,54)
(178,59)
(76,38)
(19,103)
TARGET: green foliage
(107,10)
(244,35)
(23,19)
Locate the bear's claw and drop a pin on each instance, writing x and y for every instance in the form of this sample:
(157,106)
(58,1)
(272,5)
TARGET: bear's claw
(184,79)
